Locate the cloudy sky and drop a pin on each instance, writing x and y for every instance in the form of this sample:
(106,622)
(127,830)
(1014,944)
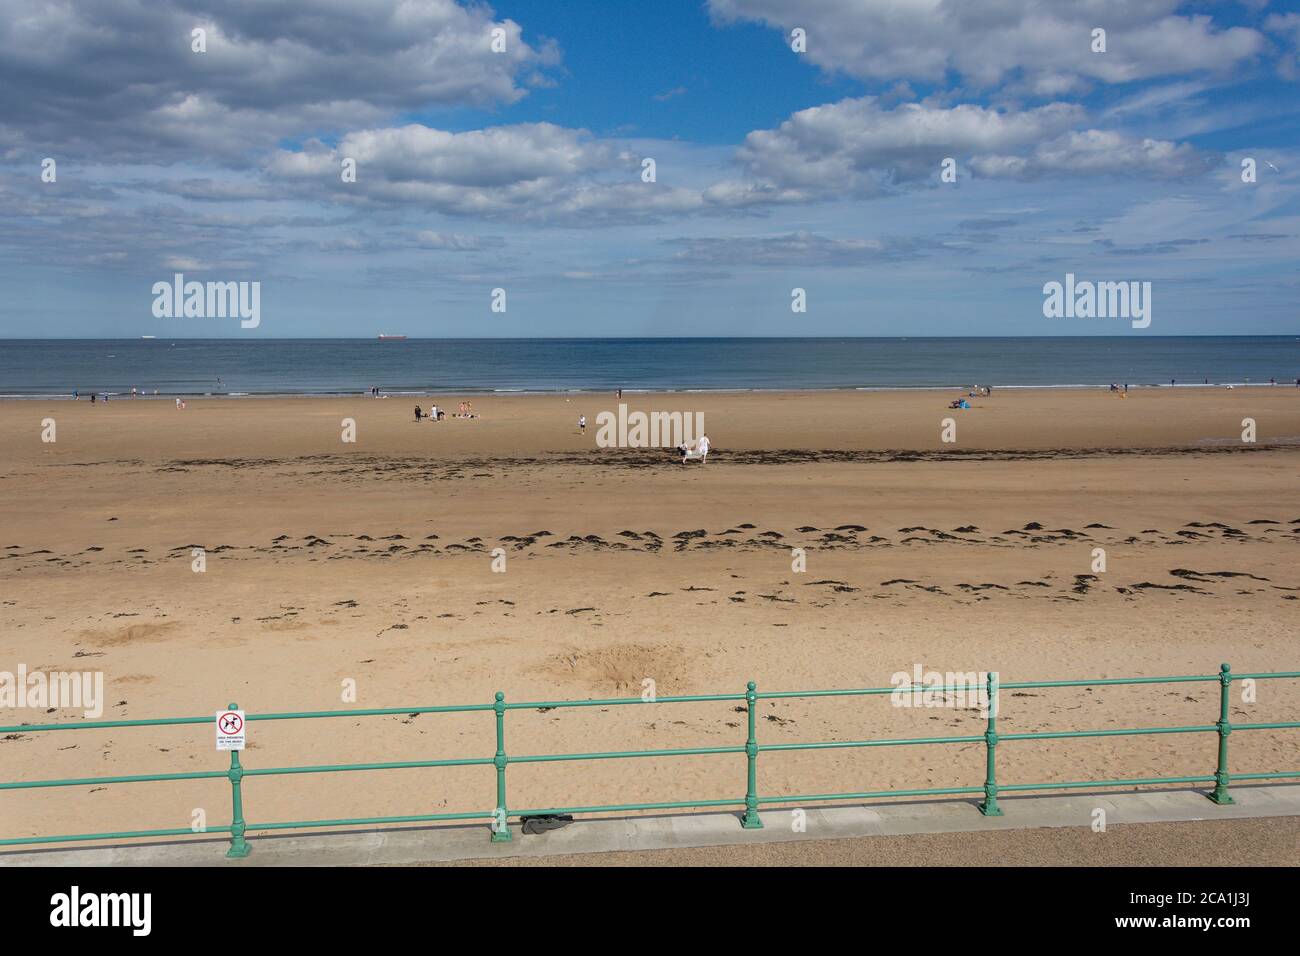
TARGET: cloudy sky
(523,167)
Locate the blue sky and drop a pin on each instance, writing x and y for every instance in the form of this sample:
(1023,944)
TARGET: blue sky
(521,169)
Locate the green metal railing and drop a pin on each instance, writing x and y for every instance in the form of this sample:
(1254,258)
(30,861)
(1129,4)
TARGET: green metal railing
(500,815)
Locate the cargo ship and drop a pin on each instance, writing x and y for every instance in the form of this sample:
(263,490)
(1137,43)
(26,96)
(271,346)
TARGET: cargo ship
(392,338)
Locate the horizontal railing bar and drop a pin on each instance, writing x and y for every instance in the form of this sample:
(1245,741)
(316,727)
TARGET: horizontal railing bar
(1265,776)
(1266,676)
(372,712)
(387,765)
(618,701)
(616,754)
(854,691)
(103,724)
(841,744)
(367,821)
(137,778)
(621,807)
(1137,731)
(871,795)
(1111,681)
(290,715)
(124,835)
(1147,781)
(1283,725)
(981,685)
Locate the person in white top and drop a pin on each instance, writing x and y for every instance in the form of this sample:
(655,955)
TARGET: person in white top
(696,450)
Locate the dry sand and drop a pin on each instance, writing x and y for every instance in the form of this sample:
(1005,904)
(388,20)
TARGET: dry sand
(371,562)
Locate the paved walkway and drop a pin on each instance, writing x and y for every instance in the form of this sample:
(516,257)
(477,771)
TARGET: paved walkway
(423,845)
(1266,841)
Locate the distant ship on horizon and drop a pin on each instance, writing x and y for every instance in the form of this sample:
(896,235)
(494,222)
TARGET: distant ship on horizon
(392,338)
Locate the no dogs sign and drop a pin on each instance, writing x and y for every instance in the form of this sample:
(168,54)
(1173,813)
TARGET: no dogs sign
(230,730)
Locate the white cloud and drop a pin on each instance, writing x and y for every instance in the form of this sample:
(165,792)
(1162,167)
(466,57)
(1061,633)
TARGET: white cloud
(1097,152)
(117,79)
(536,172)
(857,148)
(1047,42)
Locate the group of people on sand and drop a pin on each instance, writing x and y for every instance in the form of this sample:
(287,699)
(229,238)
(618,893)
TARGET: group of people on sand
(103,396)
(689,451)
(976,391)
(436,414)
(694,451)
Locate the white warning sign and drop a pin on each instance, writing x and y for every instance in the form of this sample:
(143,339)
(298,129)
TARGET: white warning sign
(230,730)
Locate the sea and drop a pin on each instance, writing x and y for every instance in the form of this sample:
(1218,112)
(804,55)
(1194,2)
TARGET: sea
(37,368)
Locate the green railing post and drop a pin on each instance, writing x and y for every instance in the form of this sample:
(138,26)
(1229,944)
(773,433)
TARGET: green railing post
(990,806)
(751,821)
(1221,795)
(239,847)
(501,824)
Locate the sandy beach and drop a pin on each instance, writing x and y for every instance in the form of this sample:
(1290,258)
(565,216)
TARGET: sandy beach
(371,562)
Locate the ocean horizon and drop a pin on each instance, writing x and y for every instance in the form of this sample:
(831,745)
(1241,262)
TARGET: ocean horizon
(35,368)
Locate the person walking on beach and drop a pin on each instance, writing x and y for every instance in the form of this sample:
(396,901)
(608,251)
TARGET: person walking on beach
(582,424)
(418,413)
(698,450)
